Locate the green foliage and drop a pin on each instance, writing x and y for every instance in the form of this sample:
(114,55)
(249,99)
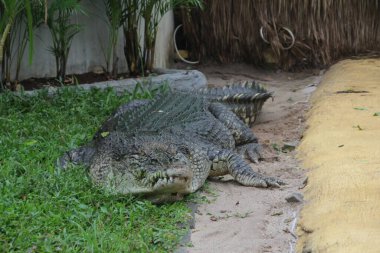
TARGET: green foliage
(117,13)
(10,10)
(132,48)
(44,209)
(19,33)
(62,31)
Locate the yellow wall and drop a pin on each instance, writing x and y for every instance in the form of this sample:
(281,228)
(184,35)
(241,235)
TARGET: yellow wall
(342,213)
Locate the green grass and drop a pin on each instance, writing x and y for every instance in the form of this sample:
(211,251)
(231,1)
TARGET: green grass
(43,209)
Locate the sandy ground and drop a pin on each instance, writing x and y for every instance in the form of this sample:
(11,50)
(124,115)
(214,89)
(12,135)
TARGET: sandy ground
(245,219)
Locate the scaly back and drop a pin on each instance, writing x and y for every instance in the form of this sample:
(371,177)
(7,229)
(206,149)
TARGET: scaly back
(245,99)
(163,112)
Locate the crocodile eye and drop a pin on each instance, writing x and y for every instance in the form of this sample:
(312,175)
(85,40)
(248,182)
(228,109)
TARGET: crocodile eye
(117,156)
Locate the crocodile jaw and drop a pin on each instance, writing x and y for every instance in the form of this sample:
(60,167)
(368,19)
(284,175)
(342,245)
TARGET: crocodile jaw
(175,180)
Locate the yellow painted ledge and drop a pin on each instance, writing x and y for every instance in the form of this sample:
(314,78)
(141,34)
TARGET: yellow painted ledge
(341,148)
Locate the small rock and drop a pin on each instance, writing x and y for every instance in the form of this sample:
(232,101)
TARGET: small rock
(277,213)
(98,70)
(213,218)
(19,87)
(295,197)
(289,146)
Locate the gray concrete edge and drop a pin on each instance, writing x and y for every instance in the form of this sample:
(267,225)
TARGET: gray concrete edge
(176,79)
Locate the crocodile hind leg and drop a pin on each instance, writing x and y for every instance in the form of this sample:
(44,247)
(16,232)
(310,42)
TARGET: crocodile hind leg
(245,141)
(226,161)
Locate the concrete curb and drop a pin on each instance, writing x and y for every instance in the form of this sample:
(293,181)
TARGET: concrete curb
(176,79)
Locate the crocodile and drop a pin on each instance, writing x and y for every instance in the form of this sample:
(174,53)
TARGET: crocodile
(167,147)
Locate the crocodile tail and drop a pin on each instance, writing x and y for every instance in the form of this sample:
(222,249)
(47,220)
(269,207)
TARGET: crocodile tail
(245,98)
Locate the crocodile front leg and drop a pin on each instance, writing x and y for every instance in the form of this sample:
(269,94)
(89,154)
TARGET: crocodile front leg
(240,131)
(226,161)
(79,156)
(245,141)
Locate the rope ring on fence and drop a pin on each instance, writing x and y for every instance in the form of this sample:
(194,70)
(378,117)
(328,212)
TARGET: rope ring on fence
(285,29)
(176,48)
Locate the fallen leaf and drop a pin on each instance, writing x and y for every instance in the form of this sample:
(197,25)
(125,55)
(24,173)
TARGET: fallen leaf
(104,134)
(30,143)
(352,91)
(358,127)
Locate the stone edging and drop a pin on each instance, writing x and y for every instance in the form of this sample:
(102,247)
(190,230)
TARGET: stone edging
(176,79)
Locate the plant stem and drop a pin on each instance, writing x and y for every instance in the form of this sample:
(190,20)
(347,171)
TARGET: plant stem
(4,37)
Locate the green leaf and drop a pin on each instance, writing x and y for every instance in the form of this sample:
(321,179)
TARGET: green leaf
(30,142)
(376,114)
(83,206)
(104,134)
(360,108)
(29,15)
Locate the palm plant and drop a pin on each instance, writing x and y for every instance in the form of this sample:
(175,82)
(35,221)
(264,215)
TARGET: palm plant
(62,31)
(116,12)
(20,32)
(132,49)
(9,11)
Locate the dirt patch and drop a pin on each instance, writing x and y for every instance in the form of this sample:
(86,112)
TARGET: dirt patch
(245,219)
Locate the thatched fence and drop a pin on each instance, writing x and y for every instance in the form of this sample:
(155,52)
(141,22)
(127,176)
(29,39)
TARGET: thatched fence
(324,31)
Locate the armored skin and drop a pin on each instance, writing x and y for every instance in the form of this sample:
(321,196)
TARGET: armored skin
(167,147)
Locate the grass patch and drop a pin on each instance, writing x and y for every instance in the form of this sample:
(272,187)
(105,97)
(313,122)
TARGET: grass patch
(46,210)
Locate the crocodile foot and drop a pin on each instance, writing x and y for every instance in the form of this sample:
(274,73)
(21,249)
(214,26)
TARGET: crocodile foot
(250,151)
(272,182)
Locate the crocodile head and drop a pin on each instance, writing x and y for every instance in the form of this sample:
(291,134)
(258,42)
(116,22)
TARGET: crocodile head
(151,168)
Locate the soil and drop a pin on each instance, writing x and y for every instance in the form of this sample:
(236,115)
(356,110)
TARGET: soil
(246,219)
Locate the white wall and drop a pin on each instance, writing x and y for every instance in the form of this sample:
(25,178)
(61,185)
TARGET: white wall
(86,51)
(164,43)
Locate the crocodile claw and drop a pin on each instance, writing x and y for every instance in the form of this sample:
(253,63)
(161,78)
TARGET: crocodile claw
(250,151)
(273,182)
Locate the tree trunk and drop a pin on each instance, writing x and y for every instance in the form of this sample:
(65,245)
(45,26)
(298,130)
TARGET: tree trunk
(131,50)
